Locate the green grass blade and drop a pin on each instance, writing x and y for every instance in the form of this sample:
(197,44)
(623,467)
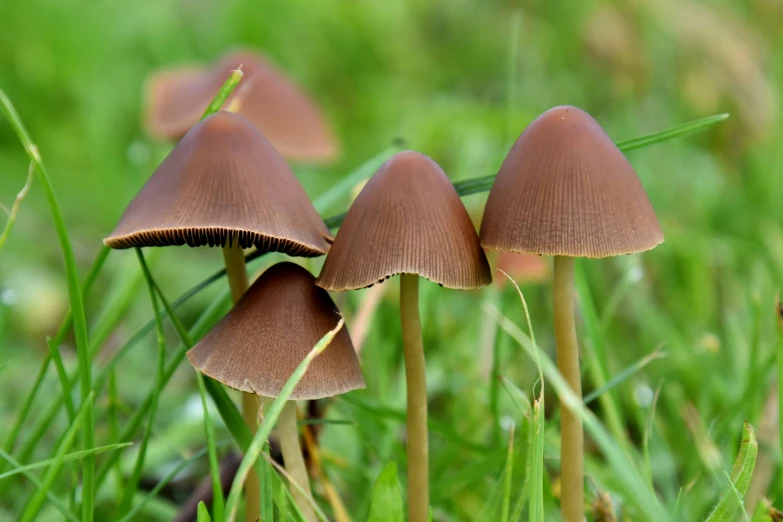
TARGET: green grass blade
(508,474)
(65,326)
(199,328)
(670,134)
(224,92)
(628,476)
(518,396)
(732,500)
(9,224)
(386,504)
(535,462)
(231,416)
(599,367)
(56,502)
(625,375)
(779,357)
(36,502)
(214,465)
(76,455)
(260,438)
(76,300)
(176,470)
(62,376)
(132,482)
(203,513)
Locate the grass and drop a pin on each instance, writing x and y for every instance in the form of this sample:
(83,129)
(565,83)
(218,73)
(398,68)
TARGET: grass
(459,84)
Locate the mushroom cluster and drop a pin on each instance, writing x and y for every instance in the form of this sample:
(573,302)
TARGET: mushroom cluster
(564,190)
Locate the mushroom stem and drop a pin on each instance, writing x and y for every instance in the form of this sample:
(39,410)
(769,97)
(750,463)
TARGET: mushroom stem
(571,435)
(234,259)
(293,459)
(416,381)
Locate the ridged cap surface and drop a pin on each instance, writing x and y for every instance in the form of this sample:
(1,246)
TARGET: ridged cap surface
(565,189)
(281,110)
(407,219)
(223,178)
(257,346)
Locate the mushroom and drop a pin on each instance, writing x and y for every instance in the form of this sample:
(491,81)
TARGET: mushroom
(408,220)
(257,346)
(565,190)
(177,97)
(225,185)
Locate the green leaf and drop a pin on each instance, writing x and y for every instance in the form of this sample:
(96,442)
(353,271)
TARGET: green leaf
(670,134)
(732,499)
(386,504)
(260,438)
(203,513)
(519,397)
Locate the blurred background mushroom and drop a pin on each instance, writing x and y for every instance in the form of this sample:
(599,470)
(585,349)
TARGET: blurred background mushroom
(272,102)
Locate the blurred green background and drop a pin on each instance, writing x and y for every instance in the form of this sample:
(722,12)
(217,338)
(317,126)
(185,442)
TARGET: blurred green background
(458,81)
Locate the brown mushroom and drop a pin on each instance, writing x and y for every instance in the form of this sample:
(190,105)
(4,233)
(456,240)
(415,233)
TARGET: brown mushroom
(257,346)
(408,220)
(566,190)
(176,99)
(223,180)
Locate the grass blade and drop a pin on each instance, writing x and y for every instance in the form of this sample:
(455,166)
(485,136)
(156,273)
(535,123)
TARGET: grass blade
(732,499)
(76,455)
(168,478)
(56,502)
(36,502)
(76,300)
(203,513)
(535,462)
(508,472)
(260,438)
(224,92)
(9,224)
(386,504)
(135,476)
(627,474)
(214,465)
(670,134)
(624,375)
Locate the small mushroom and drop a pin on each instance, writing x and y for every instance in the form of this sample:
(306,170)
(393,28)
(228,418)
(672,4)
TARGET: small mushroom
(408,220)
(283,112)
(257,346)
(566,190)
(223,184)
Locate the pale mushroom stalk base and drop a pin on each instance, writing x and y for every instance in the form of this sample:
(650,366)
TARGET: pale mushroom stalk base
(288,433)
(234,259)
(416,382)
(571,434)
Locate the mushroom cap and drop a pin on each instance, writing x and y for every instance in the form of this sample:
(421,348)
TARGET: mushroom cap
(223,178)
(282,111)
(565,189)
(407,219)
(257,346)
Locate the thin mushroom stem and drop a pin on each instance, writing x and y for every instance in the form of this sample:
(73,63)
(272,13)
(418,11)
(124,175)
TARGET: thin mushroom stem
(294,462)
(234,259)
(571,434)
(416,381)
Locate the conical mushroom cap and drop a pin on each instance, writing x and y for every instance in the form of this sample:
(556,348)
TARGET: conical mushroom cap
(257,346)
(407,219)
(566,190)
(268,99)
(223,178)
